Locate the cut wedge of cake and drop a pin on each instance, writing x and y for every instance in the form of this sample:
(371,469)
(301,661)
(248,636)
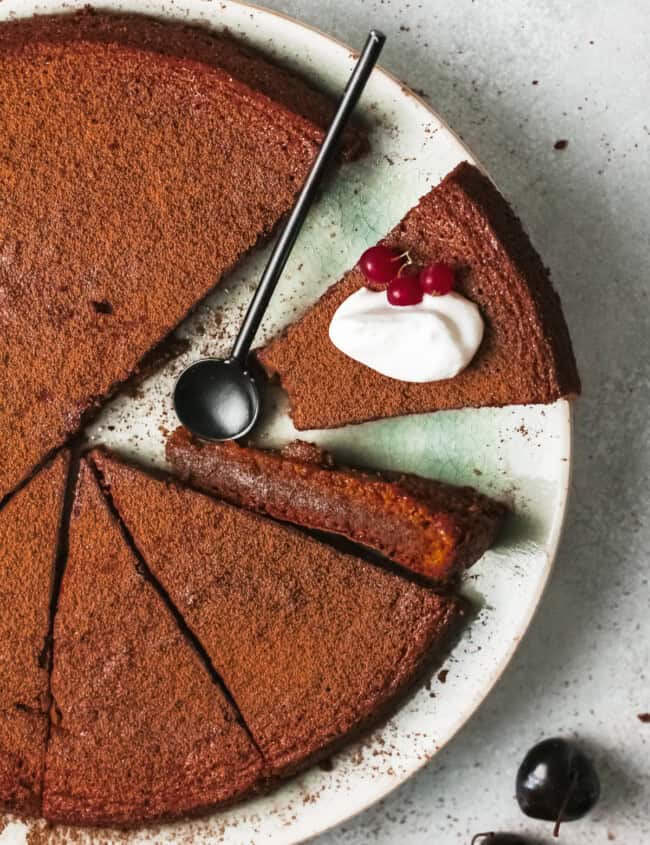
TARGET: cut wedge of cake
(525,356)
(313,644)
(29,541)
(431,528)
(131,181)
(140,731)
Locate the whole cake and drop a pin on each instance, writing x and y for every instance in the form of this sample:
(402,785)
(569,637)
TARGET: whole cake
(140,730)
(436,530)
(130,182)
(525,356)
(29,542)
(312,643)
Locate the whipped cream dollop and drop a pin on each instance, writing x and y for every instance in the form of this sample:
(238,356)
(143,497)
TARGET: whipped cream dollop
(435,339)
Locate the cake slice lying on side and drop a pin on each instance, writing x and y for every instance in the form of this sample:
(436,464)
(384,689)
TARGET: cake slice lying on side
(140,730)
(29,539)
(312,643)
(431,528)
(525,356)
(132,182)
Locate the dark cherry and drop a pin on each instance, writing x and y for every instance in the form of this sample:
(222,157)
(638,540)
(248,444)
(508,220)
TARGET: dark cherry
(379,264)
(557,782)
(492,838)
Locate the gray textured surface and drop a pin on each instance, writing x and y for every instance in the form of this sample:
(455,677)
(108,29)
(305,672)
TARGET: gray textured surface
(583,667)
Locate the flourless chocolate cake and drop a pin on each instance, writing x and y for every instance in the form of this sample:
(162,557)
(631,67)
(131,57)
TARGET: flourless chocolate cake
(140,731)
(29,530)
(312,643)
(185,41)
(431,528)
(525,356)
(131,182)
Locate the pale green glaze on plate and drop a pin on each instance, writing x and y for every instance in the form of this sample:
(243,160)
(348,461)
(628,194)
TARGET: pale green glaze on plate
(522,454)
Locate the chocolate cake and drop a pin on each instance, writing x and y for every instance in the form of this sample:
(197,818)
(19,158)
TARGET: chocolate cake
(525,356)
(29,530)
(218,49)
(131,181)
(431,528)
(312,643)
(140,730)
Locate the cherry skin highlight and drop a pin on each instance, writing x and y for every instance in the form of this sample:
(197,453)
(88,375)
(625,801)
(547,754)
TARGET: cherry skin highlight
(404,290)
(437,279)
(379,264)
(557,782)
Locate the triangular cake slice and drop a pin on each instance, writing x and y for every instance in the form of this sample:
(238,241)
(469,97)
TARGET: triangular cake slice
(434,529)
(312,643)
(525,357)
(140,731)
(132,182)
(29,539)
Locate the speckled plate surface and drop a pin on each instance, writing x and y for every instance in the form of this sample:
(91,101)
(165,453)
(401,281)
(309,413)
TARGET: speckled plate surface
(522,454)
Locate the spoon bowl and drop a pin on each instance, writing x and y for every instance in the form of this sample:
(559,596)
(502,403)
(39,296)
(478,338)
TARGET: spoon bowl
(217,399)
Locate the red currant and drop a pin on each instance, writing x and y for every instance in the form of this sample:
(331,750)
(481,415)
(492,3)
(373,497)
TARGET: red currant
(404,290)
(437,279)
(379,264)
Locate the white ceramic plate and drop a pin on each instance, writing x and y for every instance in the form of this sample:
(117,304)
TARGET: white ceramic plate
(520,453)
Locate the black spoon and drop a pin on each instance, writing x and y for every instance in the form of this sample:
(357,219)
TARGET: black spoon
(218,399)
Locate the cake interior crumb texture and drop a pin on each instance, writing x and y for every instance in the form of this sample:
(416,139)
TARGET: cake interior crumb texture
(434,529)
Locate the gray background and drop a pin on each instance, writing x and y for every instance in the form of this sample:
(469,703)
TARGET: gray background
(582,668)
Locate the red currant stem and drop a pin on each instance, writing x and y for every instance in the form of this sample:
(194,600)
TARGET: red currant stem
(488,834)
(406,263)
(565,803)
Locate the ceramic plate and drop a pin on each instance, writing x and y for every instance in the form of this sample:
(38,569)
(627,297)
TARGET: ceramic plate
(522,454)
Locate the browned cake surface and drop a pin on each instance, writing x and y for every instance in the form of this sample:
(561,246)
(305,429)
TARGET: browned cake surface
(29,529)
(217,49)
(130,182)
(526,355)
(312,643)
(432,528)
(140,731)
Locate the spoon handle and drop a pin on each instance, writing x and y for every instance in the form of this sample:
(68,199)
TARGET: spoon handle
(291,228)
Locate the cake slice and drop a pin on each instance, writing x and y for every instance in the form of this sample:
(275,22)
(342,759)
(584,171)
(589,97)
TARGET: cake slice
(525,356)
(131,182)
(312,643)
(140,731)
(29,537)
(433,529)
